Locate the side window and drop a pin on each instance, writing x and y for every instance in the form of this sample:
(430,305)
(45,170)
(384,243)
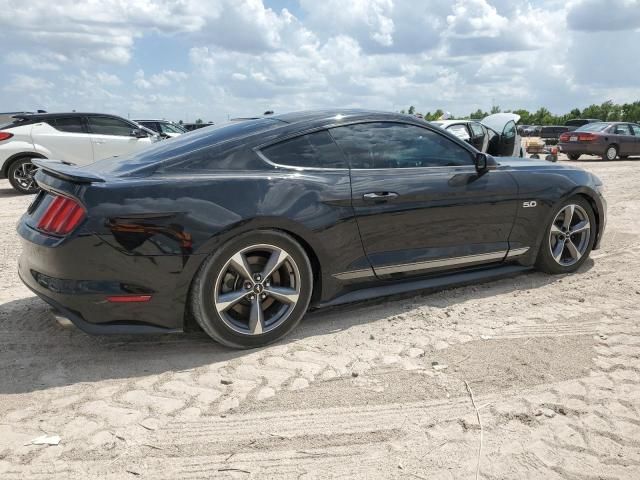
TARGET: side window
(67,124)
(460,131)
(150,125)
(622,129)
(398,145)
(312,150)
(109,126)
(477,130)
(636,130)
(509,130)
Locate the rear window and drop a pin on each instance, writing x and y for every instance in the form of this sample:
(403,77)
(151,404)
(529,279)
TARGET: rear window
(190,142)
(67,124)
(593,127)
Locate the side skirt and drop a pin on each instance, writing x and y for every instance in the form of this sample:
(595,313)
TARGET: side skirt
(435,283)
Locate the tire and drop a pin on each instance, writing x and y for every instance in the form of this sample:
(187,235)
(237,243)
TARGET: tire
(574,156)
(238,308)
(521,153)
(624,157)
(535,156)
(20,174)
(611,153)
(555,257)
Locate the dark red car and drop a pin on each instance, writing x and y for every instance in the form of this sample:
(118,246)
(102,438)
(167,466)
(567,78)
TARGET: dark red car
(608,140)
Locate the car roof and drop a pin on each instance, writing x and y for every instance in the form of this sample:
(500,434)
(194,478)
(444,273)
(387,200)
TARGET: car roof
(152,120)
(453,122)
(320,116)
(45,116)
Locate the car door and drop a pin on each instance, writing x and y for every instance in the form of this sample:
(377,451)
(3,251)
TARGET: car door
(479,136)
(624,138)
(64,138)
(460,130)
(420,205)
(636,133)
(112,136)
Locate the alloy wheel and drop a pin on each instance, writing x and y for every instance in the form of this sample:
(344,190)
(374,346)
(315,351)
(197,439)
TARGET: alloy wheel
(24,176)
(257,289)
(570,234)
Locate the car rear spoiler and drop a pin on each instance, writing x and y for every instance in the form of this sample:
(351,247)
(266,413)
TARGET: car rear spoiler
(64,171)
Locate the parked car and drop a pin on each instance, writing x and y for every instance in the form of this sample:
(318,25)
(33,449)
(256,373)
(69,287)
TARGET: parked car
(243,226)
(579,122)
(550,134)
(606,139)
(195,126)
(76,138)
(496,134)
(164,128)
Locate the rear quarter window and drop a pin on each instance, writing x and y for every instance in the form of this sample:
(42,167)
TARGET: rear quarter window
(314,150)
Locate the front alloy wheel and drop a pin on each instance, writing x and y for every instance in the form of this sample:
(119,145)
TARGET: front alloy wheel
(569,235)
(252,290)
(569,238)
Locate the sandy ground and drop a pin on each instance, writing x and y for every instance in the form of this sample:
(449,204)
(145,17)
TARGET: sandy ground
(367,391)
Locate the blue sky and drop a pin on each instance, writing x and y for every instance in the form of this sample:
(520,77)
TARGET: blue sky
(188,59)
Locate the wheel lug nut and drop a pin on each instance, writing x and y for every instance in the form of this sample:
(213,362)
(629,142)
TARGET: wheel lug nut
(247,286)
(251,297)
(258,277)
(263,296)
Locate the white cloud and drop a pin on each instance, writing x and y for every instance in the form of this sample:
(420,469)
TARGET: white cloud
(27,83)
(163,79)
(244,56)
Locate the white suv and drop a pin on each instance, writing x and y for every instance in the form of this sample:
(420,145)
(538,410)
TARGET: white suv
(77,138)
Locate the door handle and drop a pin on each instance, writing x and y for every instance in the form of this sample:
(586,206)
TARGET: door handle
(380,196)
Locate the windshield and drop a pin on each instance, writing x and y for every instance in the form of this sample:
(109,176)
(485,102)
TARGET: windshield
(190,141)
(593,127)
(171,128)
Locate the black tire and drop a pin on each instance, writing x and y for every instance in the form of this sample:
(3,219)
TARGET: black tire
(574,156)
(610,153)
(546,261)
(19,179)
(535,156)
(203,300)
(624,157)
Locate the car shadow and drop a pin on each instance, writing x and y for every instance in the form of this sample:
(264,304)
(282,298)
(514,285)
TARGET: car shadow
(37,353)
(10,192)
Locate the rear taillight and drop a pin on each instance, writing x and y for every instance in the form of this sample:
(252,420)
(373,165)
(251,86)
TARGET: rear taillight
(5,136)
(587,137)
(62,216)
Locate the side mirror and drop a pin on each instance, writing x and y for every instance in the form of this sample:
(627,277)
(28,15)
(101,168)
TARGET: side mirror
(138,133)
(481,163)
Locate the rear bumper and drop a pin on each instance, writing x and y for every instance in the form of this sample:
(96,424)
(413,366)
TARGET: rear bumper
(581,148)
(77,275)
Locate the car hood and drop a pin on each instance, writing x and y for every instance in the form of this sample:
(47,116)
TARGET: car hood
(532,164)
(498,121)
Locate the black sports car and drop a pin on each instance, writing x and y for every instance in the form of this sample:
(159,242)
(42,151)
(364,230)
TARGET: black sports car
(242,227)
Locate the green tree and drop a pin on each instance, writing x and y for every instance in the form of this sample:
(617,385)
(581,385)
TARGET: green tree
(495,109)
(199,121)
(412,110)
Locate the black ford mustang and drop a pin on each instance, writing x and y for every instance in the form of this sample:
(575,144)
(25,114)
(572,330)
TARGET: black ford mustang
(242,227)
